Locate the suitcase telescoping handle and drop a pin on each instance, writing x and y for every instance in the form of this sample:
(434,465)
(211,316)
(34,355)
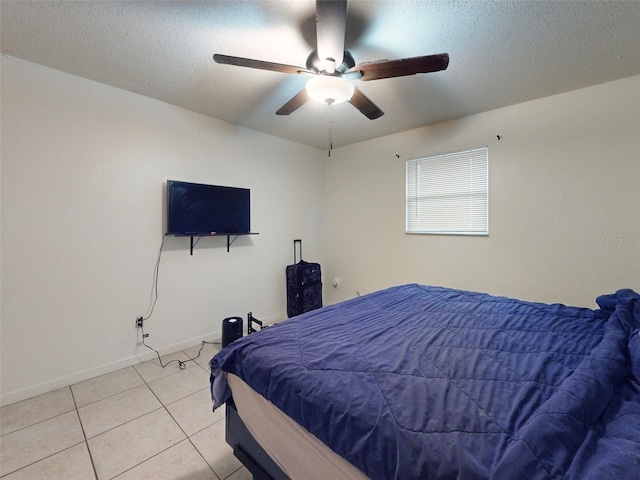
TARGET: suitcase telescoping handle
(297,241)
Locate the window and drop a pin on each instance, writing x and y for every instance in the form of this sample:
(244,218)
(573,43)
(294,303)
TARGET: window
(449,194)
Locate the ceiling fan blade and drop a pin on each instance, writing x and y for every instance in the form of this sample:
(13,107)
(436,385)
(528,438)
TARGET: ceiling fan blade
(331,24)
(296,102)
(366,106)
(259,64)
(402,67)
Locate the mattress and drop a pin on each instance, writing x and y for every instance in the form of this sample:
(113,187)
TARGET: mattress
(428,382)
(298,453)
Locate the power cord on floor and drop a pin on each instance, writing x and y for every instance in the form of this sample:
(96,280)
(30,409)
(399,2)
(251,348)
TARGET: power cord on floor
(182,364)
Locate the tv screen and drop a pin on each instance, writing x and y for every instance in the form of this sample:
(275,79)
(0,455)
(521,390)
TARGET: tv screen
(198,209)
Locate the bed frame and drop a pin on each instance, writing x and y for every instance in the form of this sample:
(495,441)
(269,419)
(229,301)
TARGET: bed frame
(247,449)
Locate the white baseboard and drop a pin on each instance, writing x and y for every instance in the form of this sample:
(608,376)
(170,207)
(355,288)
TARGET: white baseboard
(66,380)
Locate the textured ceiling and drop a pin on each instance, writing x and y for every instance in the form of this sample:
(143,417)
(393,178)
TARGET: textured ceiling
(502,53)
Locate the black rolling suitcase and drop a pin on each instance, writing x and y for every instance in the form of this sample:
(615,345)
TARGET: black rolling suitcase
(304,285)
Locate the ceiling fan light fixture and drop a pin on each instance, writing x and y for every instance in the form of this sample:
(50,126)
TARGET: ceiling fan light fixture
(329,90)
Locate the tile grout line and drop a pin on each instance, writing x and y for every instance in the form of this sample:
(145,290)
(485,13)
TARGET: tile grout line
(38,422)
(84,434)
(188,438)
(164,406)
(86,441)
(44,458)
(146,384)
(195,433)
(76,409)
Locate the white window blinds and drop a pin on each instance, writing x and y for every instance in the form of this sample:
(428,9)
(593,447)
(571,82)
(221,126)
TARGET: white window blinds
(449,194)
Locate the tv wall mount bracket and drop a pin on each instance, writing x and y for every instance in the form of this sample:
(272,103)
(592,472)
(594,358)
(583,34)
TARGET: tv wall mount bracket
(228,235)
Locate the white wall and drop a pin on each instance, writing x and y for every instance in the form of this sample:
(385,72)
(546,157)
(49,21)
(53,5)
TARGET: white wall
(83,172)
(564,203)
(84,168)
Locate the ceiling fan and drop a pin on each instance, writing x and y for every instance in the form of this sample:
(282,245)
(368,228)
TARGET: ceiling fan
(331,66)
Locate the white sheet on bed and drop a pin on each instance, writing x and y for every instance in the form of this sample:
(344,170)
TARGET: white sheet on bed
(297,452)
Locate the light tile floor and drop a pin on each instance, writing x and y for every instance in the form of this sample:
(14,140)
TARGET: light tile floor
(141,422)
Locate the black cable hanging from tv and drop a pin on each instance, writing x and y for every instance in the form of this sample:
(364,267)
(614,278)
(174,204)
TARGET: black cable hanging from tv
(156,274)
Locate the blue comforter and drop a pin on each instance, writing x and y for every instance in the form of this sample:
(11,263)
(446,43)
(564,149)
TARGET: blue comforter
(418,382)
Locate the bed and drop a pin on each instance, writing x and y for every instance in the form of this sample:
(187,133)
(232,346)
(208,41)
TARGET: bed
(419,382)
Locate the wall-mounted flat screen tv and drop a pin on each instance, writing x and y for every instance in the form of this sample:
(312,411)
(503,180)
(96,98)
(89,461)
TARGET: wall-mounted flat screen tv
(199,209)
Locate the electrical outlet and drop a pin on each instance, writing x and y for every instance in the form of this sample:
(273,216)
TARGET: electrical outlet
(139,321)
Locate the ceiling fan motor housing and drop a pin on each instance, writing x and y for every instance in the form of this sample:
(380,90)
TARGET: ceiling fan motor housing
(315,64)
